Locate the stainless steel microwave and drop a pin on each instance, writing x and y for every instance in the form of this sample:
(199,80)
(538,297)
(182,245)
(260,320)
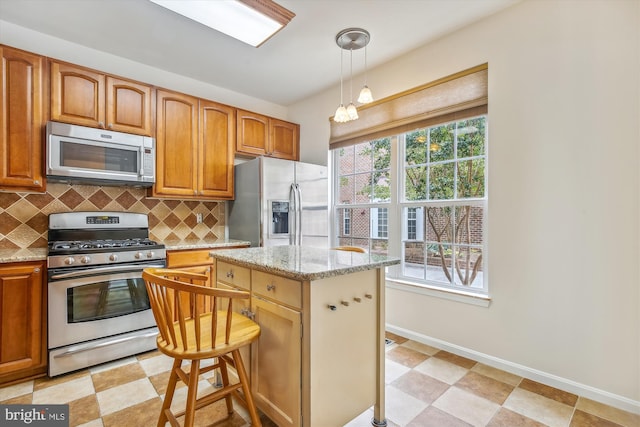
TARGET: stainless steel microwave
(96,156)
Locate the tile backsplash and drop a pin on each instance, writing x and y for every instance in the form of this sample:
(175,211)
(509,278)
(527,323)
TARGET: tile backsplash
(24,216)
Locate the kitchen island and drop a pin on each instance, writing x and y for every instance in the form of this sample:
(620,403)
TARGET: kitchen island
(319,360)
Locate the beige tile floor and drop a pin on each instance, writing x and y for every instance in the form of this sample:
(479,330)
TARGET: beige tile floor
(425,387)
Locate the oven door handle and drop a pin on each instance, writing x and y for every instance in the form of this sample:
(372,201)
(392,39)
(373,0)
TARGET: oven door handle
(103,270)
(87,347)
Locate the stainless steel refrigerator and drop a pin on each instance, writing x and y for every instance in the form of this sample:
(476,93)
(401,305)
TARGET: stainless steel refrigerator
(280,202)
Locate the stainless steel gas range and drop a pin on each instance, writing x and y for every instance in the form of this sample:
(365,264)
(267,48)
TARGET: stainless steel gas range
(98,309)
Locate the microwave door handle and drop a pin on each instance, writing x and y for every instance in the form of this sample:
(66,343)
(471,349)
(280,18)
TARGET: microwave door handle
(141,172)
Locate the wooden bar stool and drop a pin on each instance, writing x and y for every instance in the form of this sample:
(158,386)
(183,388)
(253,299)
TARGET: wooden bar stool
(196,322)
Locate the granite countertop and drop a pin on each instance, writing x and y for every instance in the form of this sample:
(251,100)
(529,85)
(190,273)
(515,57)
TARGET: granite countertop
(304,263)
(203,244)
(22,255)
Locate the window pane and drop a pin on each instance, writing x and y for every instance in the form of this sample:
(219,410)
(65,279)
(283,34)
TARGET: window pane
(469,266)
(416,147)
(346,190)
(416,183)
(345,222)
(439,224)
(363,188)
(471,178)
(414,265)
(441,181)
(381,189)
(441,142)
(346,160)
(382,153)
(360,223)
(380,246)
(469,225)
(471,137)
(438,266)
(363,162)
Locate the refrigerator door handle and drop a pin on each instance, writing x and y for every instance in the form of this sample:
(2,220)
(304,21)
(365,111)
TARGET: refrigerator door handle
(298,215)
(293,215)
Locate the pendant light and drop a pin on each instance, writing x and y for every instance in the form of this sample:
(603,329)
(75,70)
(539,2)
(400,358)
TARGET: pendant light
(352,39)
(365,96)
(341,115)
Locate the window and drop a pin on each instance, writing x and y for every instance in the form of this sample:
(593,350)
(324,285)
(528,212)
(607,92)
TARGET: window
(435,187)
(362,186)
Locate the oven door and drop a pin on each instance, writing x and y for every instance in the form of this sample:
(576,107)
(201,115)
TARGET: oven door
(97,302)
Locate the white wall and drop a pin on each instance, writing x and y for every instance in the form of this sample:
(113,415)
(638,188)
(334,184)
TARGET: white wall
(563,191)
(33,41)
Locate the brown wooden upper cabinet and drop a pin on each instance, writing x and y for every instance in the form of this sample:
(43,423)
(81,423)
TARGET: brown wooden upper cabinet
(90,98)
(194,156)
(22,120)
(259,135)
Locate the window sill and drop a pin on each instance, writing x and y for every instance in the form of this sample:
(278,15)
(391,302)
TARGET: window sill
(449,294)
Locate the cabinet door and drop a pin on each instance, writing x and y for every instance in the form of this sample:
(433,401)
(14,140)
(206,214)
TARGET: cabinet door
(284,140)
(128,106)
(217,133)
(21,121)
(276,362)
(177,145)
(77,95)
(253,133)
(21,320)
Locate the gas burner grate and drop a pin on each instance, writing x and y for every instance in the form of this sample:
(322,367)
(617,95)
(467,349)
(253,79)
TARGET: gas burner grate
(101,244)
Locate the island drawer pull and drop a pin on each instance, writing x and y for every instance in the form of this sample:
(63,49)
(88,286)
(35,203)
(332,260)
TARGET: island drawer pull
(271,287)
(230,274)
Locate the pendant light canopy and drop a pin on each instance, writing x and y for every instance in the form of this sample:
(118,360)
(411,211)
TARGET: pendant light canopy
(352,39)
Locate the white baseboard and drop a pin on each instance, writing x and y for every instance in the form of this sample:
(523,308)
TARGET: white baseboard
(589,392)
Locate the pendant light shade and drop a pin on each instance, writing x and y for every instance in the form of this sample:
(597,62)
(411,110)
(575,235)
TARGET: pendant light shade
(341,115)
(352,39)
(365,96)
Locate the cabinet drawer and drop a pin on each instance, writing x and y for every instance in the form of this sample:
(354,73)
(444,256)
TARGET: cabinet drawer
(280,289)
(233,275)
(188,258)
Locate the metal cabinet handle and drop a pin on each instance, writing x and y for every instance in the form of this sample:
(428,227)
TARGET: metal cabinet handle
(368,296)
(332,307)
(345,303)
(230,274)
(356,299)
(101,124)
(271,287)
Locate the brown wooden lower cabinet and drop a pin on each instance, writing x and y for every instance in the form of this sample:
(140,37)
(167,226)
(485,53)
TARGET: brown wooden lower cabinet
(23,349)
